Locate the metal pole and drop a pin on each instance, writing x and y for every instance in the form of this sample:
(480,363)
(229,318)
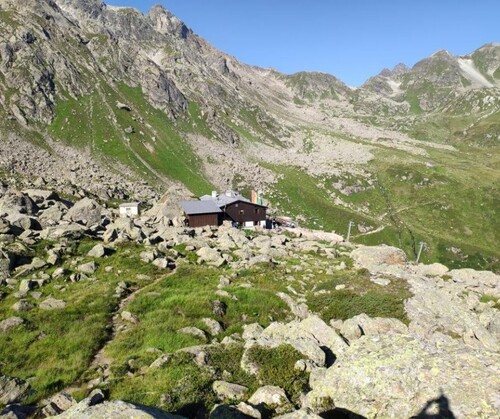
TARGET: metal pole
(419,251)
(349,230)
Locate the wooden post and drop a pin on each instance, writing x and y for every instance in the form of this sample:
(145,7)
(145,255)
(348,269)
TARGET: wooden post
(419,251)
(349,230)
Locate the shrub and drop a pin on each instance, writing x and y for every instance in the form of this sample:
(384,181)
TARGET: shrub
(277,368)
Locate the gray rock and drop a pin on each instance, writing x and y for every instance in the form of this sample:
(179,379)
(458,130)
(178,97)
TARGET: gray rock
(24,222)
(271,396)
(228,411)
(98,251)
(298,309)
(299,414)
(398,375)
(229,391)
(219,308)
(70,231)
(52,215)
(51,303)
(113,409)
(58,403)
(194,331)
(87,268)
(10,323)
(53,257)
(213,326)
(13,390)
(249,411)
(163,263)
(40,195)
(160,361)
(58,273)
(6,264)
(129,317)
(252,331)
(210,256)
(123,106)
(435,269)
(312,337)
(383,282)
(22,306)
(361,324)
(86,211)
(379,259)
(27,285)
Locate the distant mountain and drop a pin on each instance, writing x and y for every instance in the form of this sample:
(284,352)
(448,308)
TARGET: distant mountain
(143,93)
(434,81)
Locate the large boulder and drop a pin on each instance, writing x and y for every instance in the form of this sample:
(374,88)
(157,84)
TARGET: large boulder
(397,376)
(361,325)
(6,264)
(17,203)
(23,222)
(123,229)
(50,303)
(229,391)
(453,307)
(86,211)
(69,231)
(312,337)
(270,396)
(41,195)
(53,214)
(10,323)
(96,408)
(13,390)
(379,259)
(210,256)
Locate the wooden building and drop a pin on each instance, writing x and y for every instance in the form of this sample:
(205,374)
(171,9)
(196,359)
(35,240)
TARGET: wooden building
(238,209)
(202,213)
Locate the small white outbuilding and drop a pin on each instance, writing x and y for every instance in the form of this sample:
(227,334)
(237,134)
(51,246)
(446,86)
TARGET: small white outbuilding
(129,209)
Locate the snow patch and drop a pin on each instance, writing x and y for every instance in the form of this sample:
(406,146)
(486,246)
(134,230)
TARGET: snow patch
(469,69)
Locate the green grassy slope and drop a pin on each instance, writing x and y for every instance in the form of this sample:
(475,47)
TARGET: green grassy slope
(451,205)
(156,148)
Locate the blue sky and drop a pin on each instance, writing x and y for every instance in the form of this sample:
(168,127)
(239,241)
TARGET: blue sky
(351,39)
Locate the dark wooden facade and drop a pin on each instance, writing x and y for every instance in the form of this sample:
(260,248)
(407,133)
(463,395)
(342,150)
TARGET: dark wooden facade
(202,220)
(243,212)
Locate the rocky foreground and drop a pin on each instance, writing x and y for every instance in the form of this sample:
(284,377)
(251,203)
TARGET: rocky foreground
(440,358)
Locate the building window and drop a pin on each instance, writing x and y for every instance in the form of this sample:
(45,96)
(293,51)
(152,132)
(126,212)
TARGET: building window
(257,210)
(242,211)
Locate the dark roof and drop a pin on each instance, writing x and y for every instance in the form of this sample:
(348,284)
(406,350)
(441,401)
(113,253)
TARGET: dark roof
(200,207)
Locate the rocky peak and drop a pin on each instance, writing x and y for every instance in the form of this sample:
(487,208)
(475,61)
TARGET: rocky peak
(396,71)
(92,9)
(166,23)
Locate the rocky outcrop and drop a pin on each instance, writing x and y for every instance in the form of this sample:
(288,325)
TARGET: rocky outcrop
(94,407)
(401,376)
(312,337)
(86,211)
(13,390)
